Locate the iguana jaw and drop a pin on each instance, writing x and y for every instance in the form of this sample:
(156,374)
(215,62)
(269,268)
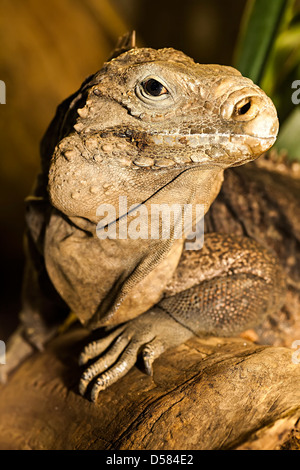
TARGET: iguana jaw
(219,149)
(176,150)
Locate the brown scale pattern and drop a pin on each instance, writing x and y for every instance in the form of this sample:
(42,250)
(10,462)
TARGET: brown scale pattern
(228,286)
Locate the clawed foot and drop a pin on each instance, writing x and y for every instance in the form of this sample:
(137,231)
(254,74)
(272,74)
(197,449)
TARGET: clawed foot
(150,334)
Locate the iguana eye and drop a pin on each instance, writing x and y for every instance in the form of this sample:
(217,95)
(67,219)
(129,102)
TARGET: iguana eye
(154,92)
(154,88)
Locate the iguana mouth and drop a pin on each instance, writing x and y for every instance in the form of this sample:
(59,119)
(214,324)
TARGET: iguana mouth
(192,139)
(189,149)
(197,140)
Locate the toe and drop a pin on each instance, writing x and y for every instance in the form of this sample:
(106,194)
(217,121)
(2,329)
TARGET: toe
(151,352)
(96,348)
(121,368)
(103,363)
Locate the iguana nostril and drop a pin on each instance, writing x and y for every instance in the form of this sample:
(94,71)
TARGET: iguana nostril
(241,105)
(247,108)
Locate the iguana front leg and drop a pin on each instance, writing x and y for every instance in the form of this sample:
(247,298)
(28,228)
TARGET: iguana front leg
(151,333)
(243,285)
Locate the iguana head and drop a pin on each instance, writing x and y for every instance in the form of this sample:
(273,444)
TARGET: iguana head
(149,116)
(186,112)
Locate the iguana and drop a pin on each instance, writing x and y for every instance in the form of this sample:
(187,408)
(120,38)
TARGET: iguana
(157,128)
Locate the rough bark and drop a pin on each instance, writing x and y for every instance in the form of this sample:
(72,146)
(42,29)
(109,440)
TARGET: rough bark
(210,394)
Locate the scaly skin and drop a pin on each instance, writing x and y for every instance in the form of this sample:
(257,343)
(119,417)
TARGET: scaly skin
(155,127)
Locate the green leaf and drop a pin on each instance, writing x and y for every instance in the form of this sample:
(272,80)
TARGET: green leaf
(260,25)
(283,68)
(289,136)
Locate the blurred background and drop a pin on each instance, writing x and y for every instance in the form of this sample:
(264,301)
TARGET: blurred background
(48,48)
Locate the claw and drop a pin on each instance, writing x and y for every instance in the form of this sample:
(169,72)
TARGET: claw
(97,388)
(83,384)
(151,352)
